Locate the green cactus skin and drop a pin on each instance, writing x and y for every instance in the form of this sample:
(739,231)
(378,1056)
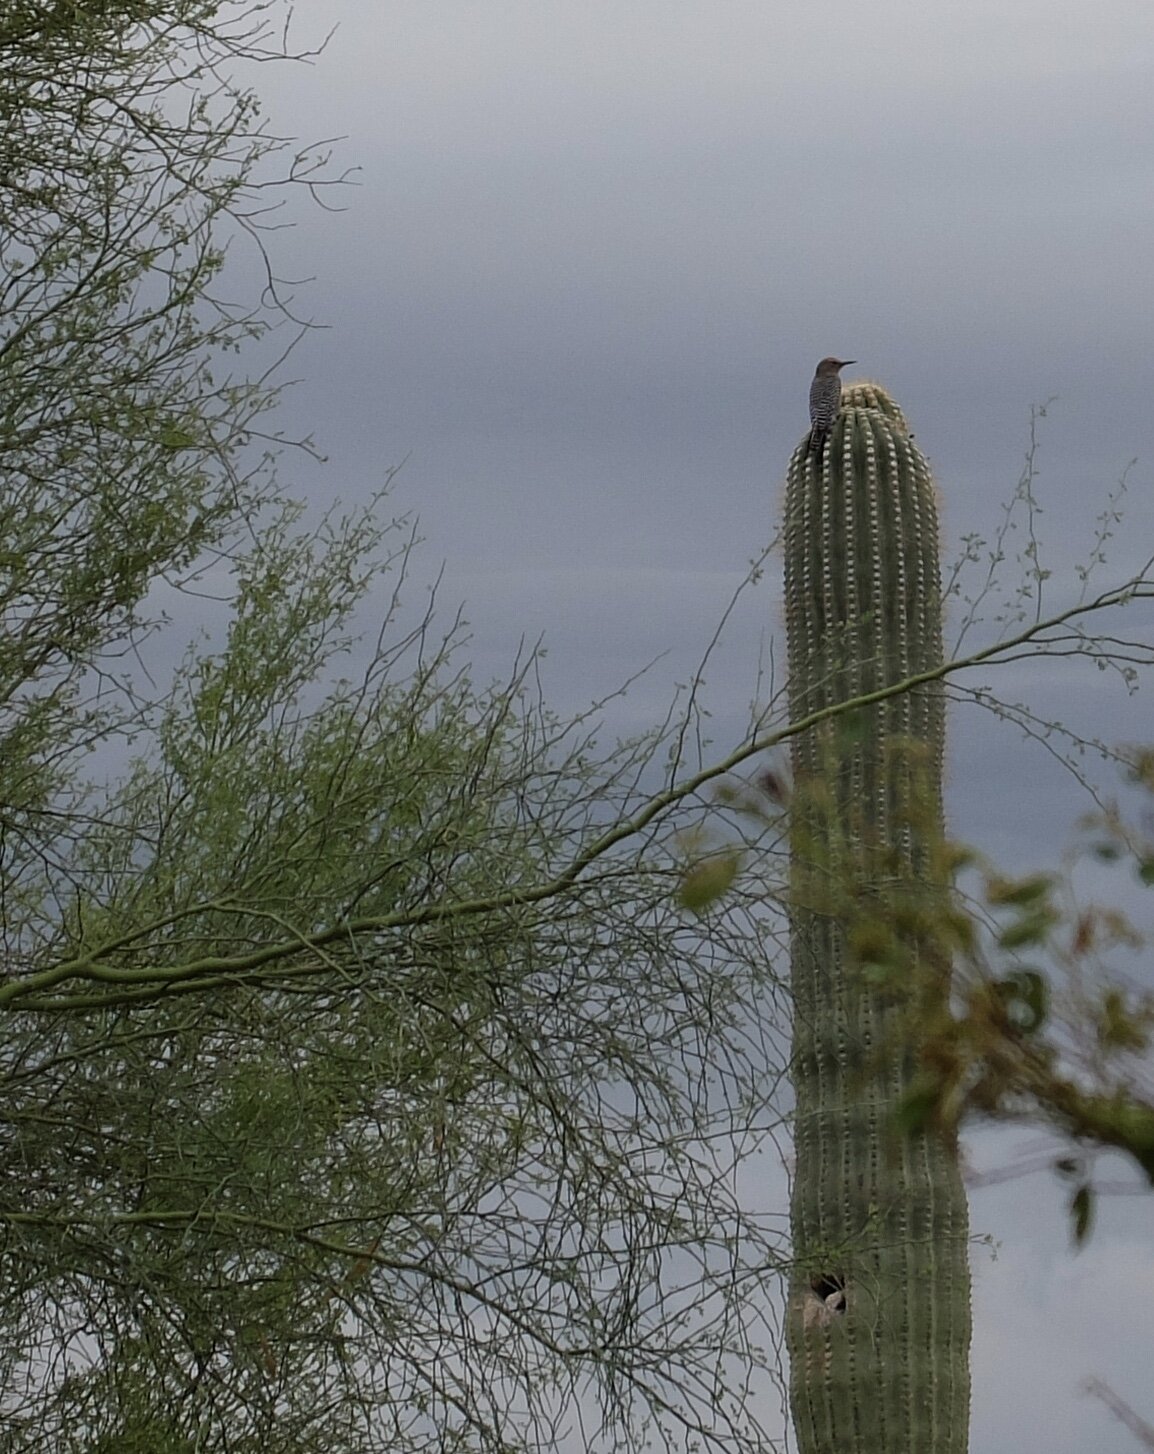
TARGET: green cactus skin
(882,1214)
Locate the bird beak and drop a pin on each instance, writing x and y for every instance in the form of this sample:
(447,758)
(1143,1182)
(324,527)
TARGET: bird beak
(845,363)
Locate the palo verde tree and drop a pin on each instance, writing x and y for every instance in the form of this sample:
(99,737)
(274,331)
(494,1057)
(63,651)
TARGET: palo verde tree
(364,1086)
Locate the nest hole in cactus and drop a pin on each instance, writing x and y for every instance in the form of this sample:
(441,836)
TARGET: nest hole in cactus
(829,1288)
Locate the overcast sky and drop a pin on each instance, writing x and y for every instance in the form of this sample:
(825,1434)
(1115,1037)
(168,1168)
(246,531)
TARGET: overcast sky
(595,251)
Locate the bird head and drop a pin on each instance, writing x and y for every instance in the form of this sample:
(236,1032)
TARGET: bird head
(832,365)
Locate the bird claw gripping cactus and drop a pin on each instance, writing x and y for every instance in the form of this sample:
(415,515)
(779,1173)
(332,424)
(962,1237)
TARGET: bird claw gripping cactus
(879,1317)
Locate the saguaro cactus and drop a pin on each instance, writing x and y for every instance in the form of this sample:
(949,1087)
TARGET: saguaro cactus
(879,1322)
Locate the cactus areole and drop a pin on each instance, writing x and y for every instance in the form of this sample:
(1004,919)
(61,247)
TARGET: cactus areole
(879,1315)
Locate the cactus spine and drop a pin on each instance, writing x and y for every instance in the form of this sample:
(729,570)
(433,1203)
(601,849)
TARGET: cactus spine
(879,1322)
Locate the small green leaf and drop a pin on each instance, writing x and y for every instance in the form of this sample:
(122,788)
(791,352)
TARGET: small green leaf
(1029,929)
(872,940)
(1119,1026)
(956,857)
(881,976)
(1146,871)
(1082,1213)
(915,1111)
(1020,892)
(708,880)
(1129,1124)
(1027,997)
(173,437)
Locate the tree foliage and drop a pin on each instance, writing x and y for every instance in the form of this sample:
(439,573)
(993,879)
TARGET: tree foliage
(1051,1025)
(364,1086)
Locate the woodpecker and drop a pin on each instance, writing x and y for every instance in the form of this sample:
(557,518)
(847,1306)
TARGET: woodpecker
(824,400)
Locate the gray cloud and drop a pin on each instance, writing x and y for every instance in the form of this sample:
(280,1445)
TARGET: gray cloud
(594,254)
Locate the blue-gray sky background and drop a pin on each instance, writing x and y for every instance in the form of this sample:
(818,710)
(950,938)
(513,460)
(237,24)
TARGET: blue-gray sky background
(594,253)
